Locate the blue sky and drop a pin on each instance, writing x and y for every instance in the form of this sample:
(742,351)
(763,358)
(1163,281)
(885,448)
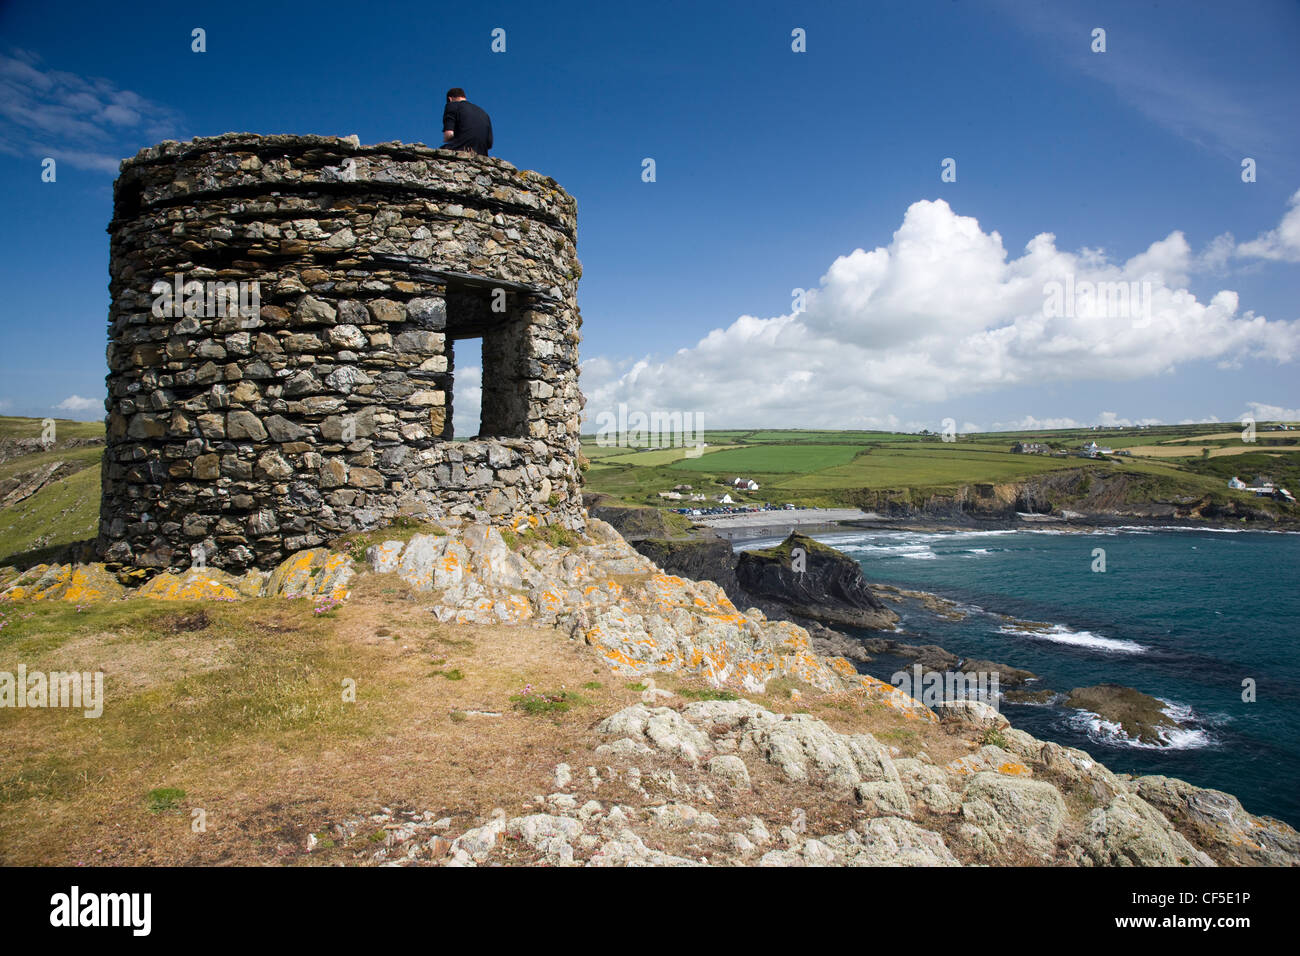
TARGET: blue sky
(775,170)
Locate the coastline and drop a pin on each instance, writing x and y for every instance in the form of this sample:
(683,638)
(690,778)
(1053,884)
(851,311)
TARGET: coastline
(1082,524)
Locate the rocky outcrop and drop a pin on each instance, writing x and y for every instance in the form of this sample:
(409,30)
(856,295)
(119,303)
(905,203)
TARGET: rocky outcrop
(1216,821)
(814,581)
(1140,716)
(674,783)
(702,557)
(18,488)
(673,786)
(317,574)
(603,591)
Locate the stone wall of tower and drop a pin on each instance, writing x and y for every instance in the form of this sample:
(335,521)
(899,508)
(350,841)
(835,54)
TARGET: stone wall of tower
(287,316)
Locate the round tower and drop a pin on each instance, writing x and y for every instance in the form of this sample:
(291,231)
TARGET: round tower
(288,315)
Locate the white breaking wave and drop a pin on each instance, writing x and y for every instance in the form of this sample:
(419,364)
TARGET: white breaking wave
(1061,634)
(1171,738)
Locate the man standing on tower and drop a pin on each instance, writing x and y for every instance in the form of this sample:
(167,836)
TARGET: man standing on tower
(464,125)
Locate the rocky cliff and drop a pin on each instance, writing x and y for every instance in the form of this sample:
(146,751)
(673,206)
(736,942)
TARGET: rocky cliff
(813,581)
(831,768)
(1098,494)
(827,590)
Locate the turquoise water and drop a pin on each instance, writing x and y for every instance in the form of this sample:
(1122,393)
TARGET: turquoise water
(1182,615)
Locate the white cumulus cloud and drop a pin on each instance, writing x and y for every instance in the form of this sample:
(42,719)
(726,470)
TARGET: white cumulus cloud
(1282,243)
(75,403)
(942,312)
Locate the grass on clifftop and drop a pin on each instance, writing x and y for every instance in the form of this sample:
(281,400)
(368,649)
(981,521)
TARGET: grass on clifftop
(783,551)
(238,710)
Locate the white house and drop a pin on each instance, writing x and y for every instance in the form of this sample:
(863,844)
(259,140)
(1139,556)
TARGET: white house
(745,484)
(1092,450)
(1235,482)
(724,499)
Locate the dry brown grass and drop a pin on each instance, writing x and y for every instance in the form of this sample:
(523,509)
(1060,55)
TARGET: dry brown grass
(241,707)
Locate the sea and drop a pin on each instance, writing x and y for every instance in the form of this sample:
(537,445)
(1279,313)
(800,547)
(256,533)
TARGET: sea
(1208,621)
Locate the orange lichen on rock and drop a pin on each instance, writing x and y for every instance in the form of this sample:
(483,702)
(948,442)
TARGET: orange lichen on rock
(197,584)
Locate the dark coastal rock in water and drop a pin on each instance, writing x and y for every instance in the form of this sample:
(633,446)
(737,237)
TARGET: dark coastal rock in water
(1007,676)
(1029,696)
(1140,715)
(932,657)
(815,582)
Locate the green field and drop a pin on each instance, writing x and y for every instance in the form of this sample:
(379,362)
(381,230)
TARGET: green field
(833,467)
(771,459)
(657,456)
(894,467)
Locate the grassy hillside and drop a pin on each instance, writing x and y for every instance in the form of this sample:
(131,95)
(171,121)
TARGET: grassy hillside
(821,468)
(64,510)
(13,426)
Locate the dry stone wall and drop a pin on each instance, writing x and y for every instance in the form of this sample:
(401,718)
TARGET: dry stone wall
(287,314)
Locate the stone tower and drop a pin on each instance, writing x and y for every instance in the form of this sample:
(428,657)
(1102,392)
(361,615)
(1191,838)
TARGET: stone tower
(287,316)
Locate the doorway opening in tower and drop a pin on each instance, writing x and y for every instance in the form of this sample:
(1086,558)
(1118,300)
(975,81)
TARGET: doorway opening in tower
(487,363)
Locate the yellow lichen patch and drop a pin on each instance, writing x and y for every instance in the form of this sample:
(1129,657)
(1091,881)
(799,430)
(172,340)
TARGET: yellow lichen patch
(53,583)
(1014,769)
(525,521)
(92,583)
(736,619)
(251,584)
(841,666)
(388,551)
(335,565)
(21,589)
(620,661)
(207,584)
(481,606)
(550,601)
(293,576)
(518,609)
(669,591)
